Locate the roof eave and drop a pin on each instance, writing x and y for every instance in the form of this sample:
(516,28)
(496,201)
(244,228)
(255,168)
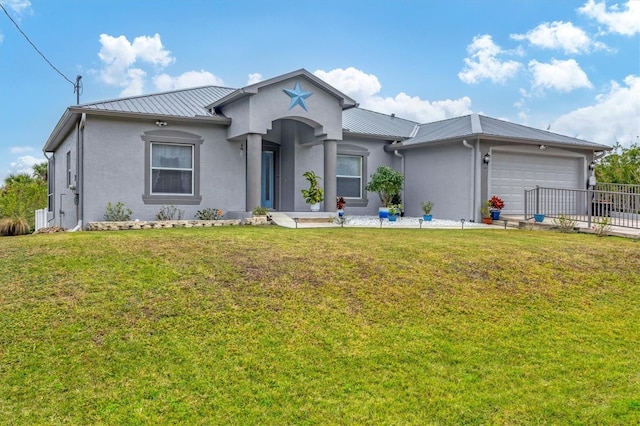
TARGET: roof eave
(69,118)
(62,129)
(145,115)
(484,136)
(373,136)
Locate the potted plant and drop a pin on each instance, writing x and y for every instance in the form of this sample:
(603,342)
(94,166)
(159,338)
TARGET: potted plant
(538,217)
(496,204)
(426,209)
(394,211)
(485,210)
(315,194)
(387,182)
(340,202)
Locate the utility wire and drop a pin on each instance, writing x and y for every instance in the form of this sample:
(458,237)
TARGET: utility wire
(37,50)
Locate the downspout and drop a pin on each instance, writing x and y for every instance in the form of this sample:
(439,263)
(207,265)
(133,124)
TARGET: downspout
(472,168)
(79,196)
(50,208)
(397,154)
(478,184)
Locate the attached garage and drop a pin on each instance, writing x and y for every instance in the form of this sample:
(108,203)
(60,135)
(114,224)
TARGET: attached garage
(512,173)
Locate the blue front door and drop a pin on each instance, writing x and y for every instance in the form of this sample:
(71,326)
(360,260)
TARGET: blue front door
(267,192)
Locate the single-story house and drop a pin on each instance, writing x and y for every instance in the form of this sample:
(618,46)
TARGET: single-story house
(236,149)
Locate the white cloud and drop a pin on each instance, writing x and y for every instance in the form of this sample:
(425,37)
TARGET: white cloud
(20,149)
(625,20)
(119,56)
(25,164)
(484,63)
(18,6)
(254,78)
(563,76)
(165,82)
(364,88)
(613,117)
(353,82)
(559,35)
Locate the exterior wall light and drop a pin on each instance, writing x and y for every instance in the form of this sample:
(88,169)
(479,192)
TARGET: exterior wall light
(592,165)
(542,146)
(487,158)
(161,123)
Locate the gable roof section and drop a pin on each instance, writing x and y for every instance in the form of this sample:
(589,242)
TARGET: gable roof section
(478,126)
(187,103)
(365,122)
(345,101)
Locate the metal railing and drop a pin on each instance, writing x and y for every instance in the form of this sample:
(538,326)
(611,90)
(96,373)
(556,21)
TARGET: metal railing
(621,208)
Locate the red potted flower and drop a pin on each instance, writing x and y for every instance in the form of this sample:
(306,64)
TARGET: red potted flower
(340,202)
(495,204)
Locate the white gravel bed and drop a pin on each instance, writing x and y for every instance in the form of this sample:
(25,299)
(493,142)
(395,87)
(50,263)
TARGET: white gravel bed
(407,222)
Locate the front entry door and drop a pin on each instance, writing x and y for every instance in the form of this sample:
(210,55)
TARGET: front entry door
(268,173)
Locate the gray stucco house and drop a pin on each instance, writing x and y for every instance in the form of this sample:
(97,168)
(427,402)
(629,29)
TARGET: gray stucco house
(236,149)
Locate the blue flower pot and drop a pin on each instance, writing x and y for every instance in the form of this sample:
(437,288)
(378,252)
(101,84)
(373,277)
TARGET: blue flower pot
(427,217)
(538,217)
(383,212)
(392,217)
(495,214)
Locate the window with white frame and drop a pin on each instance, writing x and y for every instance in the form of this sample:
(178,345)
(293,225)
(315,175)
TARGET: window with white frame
(171,169)
(349,176)
(351,172)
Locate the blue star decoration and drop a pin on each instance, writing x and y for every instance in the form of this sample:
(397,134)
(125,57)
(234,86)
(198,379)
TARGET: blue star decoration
(297,96)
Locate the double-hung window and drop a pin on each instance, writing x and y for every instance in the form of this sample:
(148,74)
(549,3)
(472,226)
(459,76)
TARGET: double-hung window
(351,172)
(349,176)
(171,167)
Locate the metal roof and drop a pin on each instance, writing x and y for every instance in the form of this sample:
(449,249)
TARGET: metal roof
(179,103)
(193,104)
(474,125)
(362,121)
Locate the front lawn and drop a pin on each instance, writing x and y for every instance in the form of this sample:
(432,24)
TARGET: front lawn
(263,325)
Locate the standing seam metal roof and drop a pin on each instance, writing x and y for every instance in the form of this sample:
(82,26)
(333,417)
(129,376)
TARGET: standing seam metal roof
(357,120)
(179,103)
(190,103)
(460,127)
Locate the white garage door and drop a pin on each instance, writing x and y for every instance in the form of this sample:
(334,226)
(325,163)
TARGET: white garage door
(512,173)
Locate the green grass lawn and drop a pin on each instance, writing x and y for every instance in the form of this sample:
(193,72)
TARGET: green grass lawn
(262,325)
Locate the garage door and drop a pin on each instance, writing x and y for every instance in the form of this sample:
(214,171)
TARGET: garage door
(512,173)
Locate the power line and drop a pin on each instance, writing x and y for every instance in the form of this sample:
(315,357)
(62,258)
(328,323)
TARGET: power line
(75,85)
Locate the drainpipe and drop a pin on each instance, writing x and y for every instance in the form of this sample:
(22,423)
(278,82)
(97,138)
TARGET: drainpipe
(472,168)
(53,211)
(79,196)
(397,154)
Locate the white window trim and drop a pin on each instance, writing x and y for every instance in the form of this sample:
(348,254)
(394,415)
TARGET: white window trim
(182,169)
(172,137)
(359,177)
(357,151)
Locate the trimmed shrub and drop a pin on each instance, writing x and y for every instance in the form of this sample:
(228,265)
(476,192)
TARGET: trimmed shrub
(117,213)
(209,214)
(170,213)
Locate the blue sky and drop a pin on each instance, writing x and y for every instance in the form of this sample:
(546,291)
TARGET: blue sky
(573,66)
